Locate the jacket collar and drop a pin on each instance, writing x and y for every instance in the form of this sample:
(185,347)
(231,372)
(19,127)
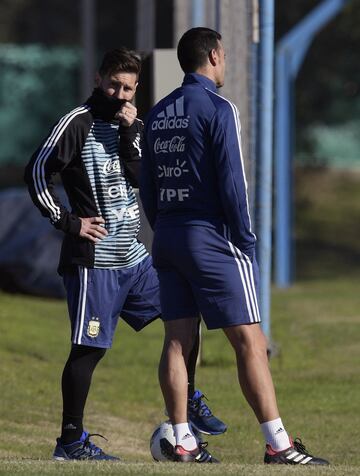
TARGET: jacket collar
(191,78)
(103,106)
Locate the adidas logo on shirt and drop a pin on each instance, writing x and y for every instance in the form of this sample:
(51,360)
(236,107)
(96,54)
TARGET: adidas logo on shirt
(172,117)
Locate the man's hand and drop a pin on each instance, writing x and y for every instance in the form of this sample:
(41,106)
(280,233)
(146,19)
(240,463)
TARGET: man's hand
(127,114)
(91,229)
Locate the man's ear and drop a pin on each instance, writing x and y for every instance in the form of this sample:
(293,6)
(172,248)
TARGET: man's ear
(213,57)
(97,79)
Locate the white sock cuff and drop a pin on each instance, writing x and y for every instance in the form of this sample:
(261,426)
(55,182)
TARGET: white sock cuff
(184,436)
(180,429)
(273,424)
(275,434)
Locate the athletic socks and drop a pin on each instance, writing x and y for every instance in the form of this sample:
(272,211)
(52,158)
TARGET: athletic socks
(275,435)
(76,380)
(184,436)
(71,429)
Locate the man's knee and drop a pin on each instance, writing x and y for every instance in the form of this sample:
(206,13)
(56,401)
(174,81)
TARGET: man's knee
(180,335)
(84,351)
(247,338)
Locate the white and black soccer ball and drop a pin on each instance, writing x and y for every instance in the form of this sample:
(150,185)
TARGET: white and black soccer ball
(165,430)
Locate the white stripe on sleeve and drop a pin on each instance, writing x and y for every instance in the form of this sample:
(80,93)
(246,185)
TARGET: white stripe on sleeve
(39,178)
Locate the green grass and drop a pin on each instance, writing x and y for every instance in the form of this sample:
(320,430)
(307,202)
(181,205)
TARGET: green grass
(45,468)
(327,225)
(316,332)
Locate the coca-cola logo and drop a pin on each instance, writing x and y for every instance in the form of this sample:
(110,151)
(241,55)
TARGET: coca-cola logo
(111,166)
(175,144)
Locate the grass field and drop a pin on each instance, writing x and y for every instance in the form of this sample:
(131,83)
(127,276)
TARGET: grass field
(316,371)
(315,329)
(327,225)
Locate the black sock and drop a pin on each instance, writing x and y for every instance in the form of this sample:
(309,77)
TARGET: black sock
(76,380)
(71,428)
(191,366)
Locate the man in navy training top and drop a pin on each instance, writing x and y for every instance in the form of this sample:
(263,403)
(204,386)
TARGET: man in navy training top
(194,193)
(107,271)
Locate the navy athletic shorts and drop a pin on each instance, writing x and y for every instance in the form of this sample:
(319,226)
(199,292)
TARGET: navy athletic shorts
(98,297)
(201,271)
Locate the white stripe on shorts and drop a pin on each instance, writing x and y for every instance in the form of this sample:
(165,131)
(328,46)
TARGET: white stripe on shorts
(80,317)
(247,278)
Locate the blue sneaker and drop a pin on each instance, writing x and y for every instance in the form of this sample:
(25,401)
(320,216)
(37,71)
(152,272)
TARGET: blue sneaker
(201,416)
(83,449)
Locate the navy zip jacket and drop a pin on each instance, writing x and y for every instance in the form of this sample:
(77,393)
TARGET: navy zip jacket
(192,170)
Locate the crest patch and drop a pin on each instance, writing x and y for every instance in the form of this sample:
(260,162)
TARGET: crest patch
(93,327)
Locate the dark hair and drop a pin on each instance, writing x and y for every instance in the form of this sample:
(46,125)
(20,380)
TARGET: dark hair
(120,60)
(194,47)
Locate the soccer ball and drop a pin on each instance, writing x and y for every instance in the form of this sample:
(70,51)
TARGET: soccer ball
(165,430)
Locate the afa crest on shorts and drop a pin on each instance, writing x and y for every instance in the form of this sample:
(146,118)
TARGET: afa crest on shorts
(93,327)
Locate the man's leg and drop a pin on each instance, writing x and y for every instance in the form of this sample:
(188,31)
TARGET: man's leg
(178,341)
(76,380)
(74,443)
(200,415)
(173,377)
(256,382)
(192,361)
(254,375)
(90,292)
